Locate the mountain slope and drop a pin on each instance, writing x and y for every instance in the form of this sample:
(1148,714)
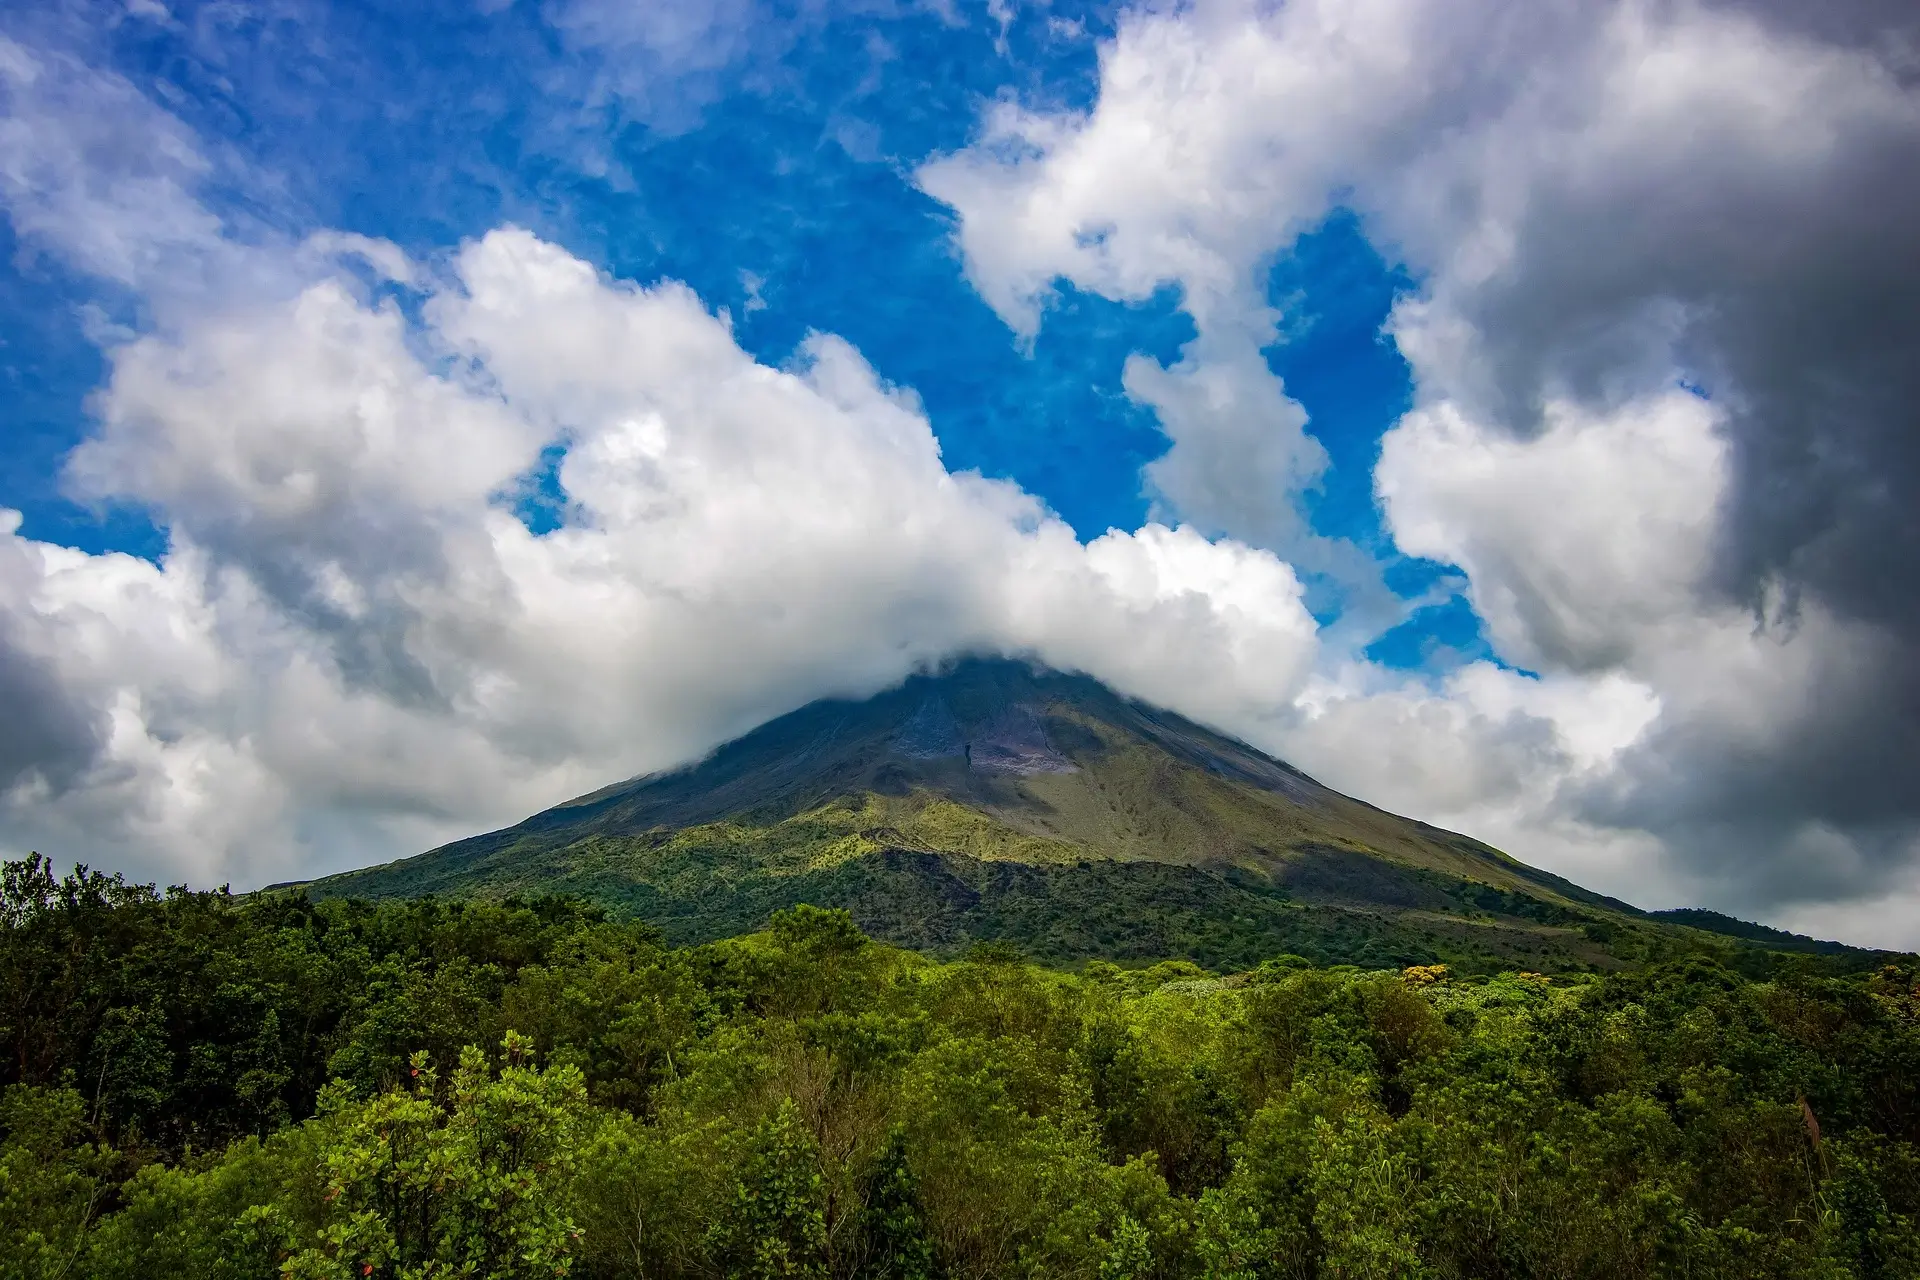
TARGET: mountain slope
(999,801)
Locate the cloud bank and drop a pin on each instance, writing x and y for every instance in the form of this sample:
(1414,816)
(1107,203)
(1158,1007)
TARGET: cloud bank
(353,635)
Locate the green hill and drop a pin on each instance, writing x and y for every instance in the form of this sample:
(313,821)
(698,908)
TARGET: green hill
(1000,802)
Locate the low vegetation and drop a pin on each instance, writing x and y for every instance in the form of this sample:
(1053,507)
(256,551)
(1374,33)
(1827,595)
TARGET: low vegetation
(197,1085)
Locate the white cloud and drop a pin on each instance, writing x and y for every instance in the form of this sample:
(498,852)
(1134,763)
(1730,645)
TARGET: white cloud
(1579,543)
(1498,755)
(1218,136)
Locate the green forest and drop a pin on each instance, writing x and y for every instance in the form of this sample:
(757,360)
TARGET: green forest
(201,1085)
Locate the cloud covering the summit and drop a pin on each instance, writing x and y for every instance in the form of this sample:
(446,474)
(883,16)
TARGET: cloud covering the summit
(352,640)
(1666,290)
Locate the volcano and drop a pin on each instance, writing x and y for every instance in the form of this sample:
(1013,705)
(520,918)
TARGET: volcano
(997,801)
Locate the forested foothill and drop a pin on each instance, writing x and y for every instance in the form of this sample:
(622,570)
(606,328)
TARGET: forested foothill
(200,1085)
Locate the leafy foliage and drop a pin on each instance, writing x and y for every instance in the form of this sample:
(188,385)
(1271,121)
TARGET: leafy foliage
(199,1085)
(423,1184)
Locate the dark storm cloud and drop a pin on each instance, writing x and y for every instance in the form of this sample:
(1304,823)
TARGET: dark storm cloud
(1823,811)
(47,736)
(1889,27)
(1784,273)
(1795,296)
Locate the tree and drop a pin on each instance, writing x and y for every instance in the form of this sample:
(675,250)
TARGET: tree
(896,1228)
(420,1187)
(773,1226)
(52,1182)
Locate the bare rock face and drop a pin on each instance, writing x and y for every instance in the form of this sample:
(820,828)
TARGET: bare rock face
(1015,741)
(932,733)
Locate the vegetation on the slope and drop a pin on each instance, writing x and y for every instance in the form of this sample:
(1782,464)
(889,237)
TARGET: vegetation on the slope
(1127,833)
(201,1086)
(1775,939)
(924,768)
(932,875)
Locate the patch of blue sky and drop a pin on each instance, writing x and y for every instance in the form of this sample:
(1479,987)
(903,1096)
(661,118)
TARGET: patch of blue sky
(795,208)
(539,499)
(1436,638)
(49,365)
(1335,294)
(847,246)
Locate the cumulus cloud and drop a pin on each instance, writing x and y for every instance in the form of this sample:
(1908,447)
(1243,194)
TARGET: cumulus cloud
(1667,257)
(1582,543)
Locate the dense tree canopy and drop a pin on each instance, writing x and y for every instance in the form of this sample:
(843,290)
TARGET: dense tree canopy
(197,1085)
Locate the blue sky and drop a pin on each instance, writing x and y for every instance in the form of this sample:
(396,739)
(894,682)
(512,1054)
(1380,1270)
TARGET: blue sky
(1522,444)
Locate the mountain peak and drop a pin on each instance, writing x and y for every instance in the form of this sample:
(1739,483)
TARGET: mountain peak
(999,799)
